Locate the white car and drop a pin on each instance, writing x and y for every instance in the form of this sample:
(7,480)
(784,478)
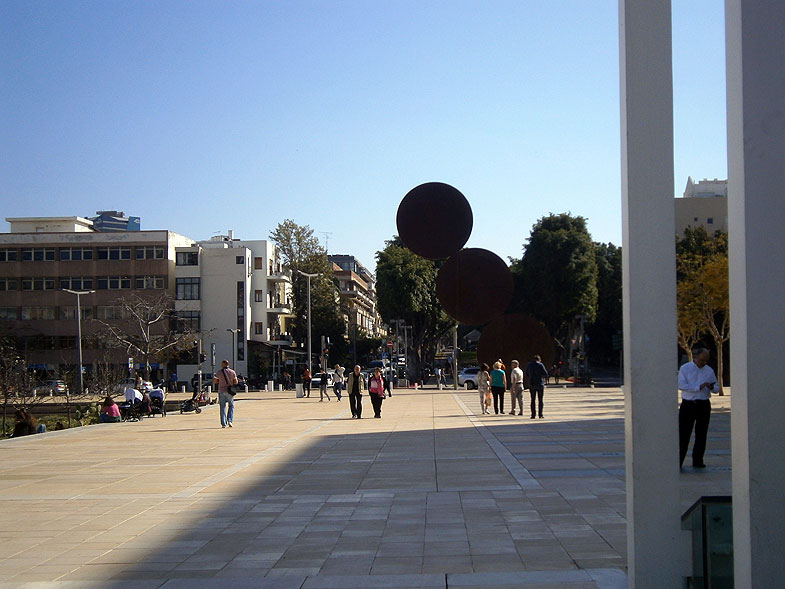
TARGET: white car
(468,376)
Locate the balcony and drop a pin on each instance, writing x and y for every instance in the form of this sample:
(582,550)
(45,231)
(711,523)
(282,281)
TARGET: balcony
(279,277)
(279,306)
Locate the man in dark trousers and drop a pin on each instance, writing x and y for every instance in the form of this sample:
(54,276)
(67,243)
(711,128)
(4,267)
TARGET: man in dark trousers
(355,385)
(536,375)
(697,382)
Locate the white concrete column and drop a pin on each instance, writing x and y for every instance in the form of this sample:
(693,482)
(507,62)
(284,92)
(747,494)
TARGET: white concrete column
(755,53)
(649,278)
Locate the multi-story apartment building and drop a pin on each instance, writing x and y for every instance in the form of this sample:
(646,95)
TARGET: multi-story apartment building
(358,294)
(704,204)
(237,294)
(42,256)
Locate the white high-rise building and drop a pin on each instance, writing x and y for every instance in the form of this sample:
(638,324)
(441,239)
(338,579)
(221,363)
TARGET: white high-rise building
(236,293)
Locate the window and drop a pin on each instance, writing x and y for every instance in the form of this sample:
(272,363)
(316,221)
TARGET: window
(36,313)
(239,259)
(69,312)
(710,221)
(187,289)
(258,296)
(188,320)
(66,342)
(258,328)
(114,253)
(76,282)
(8,313)
(113,282)
(150,252)
(187,258)
(38,283)
(146,282)
(75,254)
(8,255)
(241,320)
(8,284)
(38,254)
(258,263)
(110,312)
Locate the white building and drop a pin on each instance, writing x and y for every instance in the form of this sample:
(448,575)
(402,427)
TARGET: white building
(704,204)
(237,294)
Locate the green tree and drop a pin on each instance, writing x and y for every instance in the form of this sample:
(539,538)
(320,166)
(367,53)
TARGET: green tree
(609,303)
(702,291)
(301,252)
(556,279)
(406,289)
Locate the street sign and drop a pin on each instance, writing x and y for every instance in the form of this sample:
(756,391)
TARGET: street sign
(389,344)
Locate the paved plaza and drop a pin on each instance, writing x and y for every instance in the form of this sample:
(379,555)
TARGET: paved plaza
(297,494)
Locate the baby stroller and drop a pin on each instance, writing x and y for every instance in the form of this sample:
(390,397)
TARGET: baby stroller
(192,404)
(157,402)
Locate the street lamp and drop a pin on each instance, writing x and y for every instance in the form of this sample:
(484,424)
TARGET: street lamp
(309,276)
(78,294)
(234,348)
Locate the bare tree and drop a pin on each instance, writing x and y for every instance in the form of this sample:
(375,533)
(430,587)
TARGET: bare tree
(17,383)
(148,329)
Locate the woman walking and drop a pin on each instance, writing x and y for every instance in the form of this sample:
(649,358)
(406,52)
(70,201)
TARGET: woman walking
(376,388)
(498,386)
(484,386)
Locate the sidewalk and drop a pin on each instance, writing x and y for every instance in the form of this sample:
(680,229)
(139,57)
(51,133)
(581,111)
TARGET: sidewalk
(297,494)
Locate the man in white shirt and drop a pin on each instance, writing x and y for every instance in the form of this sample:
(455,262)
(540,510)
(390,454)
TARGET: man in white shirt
(697,382)
(516,387)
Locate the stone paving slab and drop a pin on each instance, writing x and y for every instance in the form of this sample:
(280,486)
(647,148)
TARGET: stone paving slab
(297,494)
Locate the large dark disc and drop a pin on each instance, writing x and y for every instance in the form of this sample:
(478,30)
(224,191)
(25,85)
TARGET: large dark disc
(474,286)
(515,337)
(434,220)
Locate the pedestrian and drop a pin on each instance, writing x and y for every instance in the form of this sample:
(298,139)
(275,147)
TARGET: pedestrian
(223,379)
(516,387)
(307,381)
(388,382)
(287,380)
(355,385)
(536,374)
(338,381)
(484,386)
(438,378)
(376,391)
(498,386)
(323,378)
(443,377)
(697,382)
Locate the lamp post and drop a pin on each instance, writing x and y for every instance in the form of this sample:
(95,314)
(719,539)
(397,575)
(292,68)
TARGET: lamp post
(78,294)
(234,347)
(309,276)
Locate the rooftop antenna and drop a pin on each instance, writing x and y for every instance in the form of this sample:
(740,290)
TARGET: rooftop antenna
(327,235)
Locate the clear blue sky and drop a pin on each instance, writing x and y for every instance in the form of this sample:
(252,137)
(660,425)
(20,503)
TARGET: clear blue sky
(205,116)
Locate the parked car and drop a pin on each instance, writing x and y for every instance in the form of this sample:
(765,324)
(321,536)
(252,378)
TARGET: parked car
(131,382)
(52,387)
(468,376)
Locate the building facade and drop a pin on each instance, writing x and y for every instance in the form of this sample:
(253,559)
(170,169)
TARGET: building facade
(358,294)
(704,204)
(42,256)
(237,295)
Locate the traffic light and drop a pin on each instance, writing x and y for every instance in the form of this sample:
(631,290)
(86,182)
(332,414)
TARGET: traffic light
(201,357)
(326,352)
